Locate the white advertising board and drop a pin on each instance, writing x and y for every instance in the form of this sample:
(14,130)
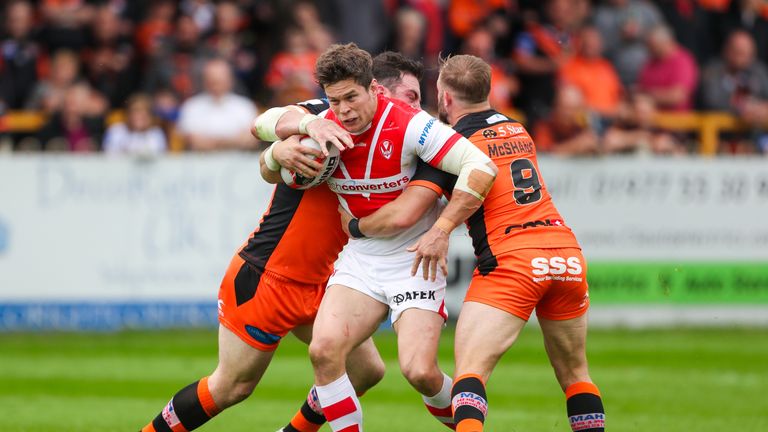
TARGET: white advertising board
(147,241)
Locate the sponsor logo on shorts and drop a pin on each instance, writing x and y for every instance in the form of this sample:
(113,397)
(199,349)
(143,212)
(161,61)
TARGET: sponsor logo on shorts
(413,295)
(584,300)
(587,421)
(470,399)
(169,415)
(262,336)
(557,268)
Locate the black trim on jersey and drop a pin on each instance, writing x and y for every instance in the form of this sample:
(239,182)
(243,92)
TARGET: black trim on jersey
(315,108)
(427,172)
(284,204)
(468,126)
(486,260)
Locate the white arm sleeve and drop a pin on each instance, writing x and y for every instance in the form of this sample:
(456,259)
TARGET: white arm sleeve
(462,159)
(266,123)
(442,147)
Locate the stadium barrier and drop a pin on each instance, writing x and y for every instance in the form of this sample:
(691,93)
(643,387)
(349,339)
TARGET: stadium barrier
(706,125)
(92,242)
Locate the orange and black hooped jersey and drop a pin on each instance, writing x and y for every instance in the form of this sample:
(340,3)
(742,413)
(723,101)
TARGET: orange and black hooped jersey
(518,212)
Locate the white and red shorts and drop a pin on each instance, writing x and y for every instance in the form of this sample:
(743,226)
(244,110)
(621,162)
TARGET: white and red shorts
(387,279)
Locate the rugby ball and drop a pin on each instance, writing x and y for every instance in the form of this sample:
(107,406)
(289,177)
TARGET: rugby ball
(329,165)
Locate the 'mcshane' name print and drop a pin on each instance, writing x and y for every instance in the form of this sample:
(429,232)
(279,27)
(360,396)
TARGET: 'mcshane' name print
(509,148)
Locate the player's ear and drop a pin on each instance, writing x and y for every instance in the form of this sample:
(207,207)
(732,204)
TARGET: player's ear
(376,88)
(447,98)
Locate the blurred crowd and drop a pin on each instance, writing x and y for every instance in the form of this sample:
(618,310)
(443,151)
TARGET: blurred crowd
(586,77)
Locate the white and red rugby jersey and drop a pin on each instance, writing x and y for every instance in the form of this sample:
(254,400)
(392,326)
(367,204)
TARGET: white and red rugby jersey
(383,161)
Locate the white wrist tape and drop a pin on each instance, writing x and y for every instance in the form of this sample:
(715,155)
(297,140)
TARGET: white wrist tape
(266,124)
(269,160)
(305,121)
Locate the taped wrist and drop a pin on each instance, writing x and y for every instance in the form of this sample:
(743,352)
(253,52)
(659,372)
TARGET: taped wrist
(354,228)
(444,224)
(305,121)
(269,160)
(266,124)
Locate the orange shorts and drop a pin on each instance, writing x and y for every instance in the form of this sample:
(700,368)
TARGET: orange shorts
(261,309)
(553,281)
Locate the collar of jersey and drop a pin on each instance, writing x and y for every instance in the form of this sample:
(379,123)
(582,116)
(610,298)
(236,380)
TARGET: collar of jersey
(362,131)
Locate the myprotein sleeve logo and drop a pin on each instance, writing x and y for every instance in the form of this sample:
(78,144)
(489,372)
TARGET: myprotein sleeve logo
(425,132)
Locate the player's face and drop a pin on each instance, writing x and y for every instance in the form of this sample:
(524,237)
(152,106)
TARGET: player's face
(407,90)
(442,112)
(353,104)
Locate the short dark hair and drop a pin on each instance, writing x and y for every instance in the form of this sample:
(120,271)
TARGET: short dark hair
(341,62)
(389,67)
(468,76)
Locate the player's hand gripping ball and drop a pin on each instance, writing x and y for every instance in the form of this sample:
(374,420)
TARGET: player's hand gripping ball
(329,165)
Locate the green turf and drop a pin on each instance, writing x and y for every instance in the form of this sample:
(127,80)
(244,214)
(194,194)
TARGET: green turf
(663,380)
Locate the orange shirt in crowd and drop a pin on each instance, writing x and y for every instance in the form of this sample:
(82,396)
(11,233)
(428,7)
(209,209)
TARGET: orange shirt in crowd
(464,15)
(597,80)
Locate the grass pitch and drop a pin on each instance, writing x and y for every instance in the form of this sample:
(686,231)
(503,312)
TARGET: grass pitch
(661,380)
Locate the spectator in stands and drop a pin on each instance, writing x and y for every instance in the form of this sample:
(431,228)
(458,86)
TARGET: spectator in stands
(504,86)
(138,135)
(180,65)
(74,128)
(634,130)
(20,55)
(568,129)
(466,15)
(748,15)
(539,51)
(153,32)
(234,43)
(290,74)
(434,32)
(307,18)
(409,32)
(217,119)
(670,75)
(65,23)
(738,82)
(593,75)
(363,21)
(109,61)
(624,25)
(693,26)
(202,12)
(48,94)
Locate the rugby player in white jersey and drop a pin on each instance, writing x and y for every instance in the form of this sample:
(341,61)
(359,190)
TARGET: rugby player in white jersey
(382,140)
(398,78)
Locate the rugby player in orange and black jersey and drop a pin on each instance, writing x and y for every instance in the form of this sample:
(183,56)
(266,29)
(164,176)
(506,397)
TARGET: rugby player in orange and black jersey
(529,219)
(274,285)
